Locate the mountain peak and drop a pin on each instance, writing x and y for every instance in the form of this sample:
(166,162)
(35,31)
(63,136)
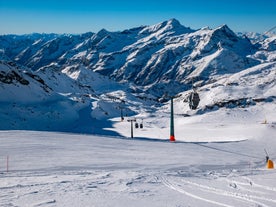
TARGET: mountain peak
(170,25)
(226,30)
(102,32)
(174,22)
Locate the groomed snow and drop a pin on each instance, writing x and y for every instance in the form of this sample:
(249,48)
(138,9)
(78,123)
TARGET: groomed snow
(62,169)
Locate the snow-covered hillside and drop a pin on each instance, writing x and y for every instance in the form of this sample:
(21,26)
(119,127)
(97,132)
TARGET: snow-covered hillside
(57,169)
(82,83)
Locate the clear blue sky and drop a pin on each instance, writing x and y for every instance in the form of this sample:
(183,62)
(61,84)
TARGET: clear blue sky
(79,16)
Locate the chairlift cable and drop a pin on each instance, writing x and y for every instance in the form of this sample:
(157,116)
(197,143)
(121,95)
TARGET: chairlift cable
(227,151)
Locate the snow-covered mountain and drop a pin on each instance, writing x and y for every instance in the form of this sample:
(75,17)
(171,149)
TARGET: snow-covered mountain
(148,56)
(80,82)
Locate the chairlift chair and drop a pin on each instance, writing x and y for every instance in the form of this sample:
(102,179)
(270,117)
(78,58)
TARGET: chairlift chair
(193,100)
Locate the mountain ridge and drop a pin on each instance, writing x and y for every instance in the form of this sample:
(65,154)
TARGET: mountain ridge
(101,73)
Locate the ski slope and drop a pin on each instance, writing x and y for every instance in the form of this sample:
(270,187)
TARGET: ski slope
(62,141)
(63,169)
(218,158)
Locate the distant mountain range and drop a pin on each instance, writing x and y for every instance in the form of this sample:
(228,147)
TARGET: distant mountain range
(145,62)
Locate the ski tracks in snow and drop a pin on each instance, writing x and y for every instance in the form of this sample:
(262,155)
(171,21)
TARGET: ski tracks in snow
(47,189)
(175,187)
(223,191)
(180,189)
(76,188)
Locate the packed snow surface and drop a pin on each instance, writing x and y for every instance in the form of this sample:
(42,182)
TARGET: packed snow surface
(63,169)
